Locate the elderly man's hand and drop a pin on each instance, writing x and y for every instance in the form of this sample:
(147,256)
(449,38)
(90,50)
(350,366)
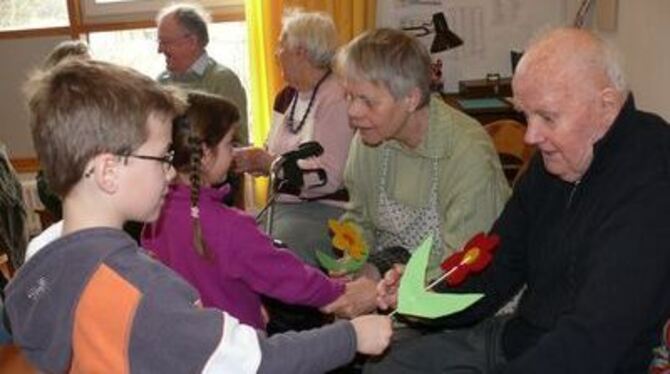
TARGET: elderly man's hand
(387,288)
(359,298)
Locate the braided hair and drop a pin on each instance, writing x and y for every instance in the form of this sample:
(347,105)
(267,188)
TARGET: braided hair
(205,123)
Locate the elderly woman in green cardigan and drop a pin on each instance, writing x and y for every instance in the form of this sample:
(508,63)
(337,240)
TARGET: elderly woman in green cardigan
(416,166)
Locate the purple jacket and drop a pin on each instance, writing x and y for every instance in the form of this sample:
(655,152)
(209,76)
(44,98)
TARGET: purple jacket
(244,264)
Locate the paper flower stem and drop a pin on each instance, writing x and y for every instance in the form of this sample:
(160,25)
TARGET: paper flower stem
(433,284)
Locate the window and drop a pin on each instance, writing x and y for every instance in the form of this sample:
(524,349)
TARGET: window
(129,39)
(138,49)
(32,14)
(134,48)
(130,10)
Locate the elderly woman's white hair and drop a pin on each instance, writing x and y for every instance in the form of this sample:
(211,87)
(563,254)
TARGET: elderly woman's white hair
(313,31)
(390,58)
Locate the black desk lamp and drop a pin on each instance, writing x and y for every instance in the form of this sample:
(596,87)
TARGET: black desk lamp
(445,39)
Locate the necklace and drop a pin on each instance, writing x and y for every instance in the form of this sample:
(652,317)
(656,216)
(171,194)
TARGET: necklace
(290,121)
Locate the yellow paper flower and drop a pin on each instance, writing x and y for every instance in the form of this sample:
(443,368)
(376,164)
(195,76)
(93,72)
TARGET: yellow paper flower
(347,237)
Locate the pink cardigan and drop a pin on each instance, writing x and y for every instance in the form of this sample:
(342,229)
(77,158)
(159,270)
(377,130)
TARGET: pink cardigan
(328,124)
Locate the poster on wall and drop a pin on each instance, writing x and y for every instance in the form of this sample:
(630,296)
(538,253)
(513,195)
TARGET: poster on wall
(490,30)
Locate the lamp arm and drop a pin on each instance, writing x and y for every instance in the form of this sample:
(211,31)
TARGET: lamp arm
(424,30)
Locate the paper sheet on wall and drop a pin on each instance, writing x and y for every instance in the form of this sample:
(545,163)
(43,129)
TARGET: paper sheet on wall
(490,29)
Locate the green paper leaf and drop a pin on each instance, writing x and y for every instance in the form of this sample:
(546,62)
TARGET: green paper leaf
(414,300)
(349,266)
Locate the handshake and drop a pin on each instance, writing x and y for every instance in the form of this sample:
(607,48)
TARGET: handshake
(253,160)
(367,293)
(373,331)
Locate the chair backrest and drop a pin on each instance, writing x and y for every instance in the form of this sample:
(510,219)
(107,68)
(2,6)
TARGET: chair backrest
(13,361)
(507,136)
(6,269)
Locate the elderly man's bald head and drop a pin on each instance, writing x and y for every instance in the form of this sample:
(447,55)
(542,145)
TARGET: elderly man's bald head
(570,86)
(574,54)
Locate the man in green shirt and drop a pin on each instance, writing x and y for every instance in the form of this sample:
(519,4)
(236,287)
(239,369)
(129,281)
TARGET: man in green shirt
(182,38)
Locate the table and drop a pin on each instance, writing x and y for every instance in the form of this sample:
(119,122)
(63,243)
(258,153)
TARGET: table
(484,109)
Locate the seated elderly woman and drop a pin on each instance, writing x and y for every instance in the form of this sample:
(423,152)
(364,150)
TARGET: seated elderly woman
(311,108)
(416,165)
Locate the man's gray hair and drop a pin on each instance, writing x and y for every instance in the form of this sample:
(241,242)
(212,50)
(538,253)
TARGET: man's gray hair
(390,58)
(613,64)
(192,17)
(313,31)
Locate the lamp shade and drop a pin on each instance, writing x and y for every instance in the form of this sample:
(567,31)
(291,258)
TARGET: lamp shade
(444,38)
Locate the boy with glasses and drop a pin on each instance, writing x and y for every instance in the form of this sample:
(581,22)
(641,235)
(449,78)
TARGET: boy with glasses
(91,300)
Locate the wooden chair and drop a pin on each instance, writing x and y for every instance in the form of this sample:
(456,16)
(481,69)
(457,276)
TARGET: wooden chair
(46,218)
(6,269)
(13,361)
(507,136)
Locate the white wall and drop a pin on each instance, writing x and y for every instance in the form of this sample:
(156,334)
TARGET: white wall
(490,29)
(641,34)
(19,57)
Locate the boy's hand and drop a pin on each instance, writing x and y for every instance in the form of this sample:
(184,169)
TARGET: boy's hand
(358,298)
(373,333)
(387,288)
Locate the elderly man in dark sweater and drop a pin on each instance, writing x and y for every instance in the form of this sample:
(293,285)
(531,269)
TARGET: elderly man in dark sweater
(587,230)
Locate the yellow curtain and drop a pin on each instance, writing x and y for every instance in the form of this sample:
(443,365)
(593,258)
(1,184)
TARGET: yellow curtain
(263,19)
(351,16)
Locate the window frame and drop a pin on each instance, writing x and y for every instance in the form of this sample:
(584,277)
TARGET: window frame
(125,10)
(77,28)
(223,11)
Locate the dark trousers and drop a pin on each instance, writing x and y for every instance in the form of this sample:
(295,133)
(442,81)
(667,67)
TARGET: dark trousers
(471,350)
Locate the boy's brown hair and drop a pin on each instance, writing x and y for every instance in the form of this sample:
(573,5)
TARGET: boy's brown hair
(80,109)
(66,49)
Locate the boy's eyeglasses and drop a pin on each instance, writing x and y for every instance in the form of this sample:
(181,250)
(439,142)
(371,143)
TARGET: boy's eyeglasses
(166,160)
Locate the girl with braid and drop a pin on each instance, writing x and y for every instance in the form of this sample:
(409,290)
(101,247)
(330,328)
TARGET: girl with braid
(219,249)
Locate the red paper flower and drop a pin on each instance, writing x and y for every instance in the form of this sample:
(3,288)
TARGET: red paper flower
(473,258)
